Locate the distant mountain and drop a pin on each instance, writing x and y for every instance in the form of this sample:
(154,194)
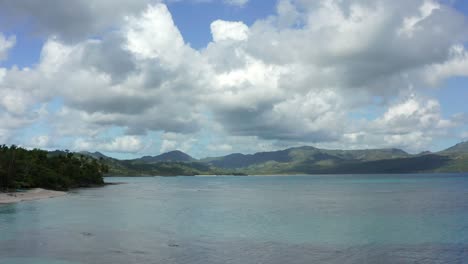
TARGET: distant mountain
(299,160)
(138,168)
(458,148)
(172,163)
(305,154)
(238,160)
(368,154)
(172,156)
(96,155)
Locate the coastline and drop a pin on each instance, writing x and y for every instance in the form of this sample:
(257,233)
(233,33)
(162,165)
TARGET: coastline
(28,195)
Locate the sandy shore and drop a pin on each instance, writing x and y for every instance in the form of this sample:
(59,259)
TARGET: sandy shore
(29,195)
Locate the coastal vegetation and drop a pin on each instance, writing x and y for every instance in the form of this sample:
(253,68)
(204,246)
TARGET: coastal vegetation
(61,170)
(22,168)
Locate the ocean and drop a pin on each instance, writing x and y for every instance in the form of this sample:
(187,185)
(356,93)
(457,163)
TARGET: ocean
(416,218)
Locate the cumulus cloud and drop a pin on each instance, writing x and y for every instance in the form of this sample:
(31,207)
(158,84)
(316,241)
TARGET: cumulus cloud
(411,115)
(74,20)
(12,123)
(410,24)
(5,45)
(126,79)
(14,101)
(300,76)
(153,34)
(42,141)
(411,123)
(228,30)
(175,141)
(123,144)
(456,65)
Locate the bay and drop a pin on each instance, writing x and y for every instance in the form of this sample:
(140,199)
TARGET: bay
(420,218)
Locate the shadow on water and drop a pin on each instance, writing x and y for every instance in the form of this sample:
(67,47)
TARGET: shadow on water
(7,209)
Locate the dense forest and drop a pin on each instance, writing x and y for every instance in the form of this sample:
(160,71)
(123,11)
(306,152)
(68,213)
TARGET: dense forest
(22,168)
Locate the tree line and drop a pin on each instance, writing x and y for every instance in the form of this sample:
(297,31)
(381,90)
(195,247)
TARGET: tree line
(22,168)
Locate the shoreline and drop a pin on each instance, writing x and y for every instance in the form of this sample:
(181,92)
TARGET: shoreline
(28,195)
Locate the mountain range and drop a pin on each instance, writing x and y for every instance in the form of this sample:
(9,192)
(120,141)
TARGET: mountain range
(299,160)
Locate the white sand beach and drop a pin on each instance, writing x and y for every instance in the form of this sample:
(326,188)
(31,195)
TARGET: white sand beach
(29,195)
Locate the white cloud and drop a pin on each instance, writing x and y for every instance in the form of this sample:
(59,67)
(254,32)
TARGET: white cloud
(42,141)
(71,21)
(12,124)
(175,141)
(412,115)
(153,34)
(416,140)
(229,30)
(410,24)
(14,101)
(239,3)
(5,45)
(168,145)
(456,65)
(288,15)
(411,124)
(126,79)
(122,144)
(297,77)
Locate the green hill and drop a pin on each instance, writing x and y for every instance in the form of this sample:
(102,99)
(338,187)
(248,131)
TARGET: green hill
(299,160)
(460,148)
(172,156)
(306,154)
(173,163)
(238,160)
(458,158)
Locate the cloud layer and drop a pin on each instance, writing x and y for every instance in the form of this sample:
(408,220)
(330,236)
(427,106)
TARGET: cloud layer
(334,73)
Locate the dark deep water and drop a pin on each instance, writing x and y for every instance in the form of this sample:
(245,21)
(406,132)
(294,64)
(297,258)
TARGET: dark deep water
(269,219)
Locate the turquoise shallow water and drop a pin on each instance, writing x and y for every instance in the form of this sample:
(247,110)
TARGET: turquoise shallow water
(269,219)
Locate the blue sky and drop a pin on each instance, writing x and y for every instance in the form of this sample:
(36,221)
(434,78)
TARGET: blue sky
(213,77)
(194,19)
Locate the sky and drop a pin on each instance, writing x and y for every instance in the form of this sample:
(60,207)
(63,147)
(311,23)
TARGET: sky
(131,78)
